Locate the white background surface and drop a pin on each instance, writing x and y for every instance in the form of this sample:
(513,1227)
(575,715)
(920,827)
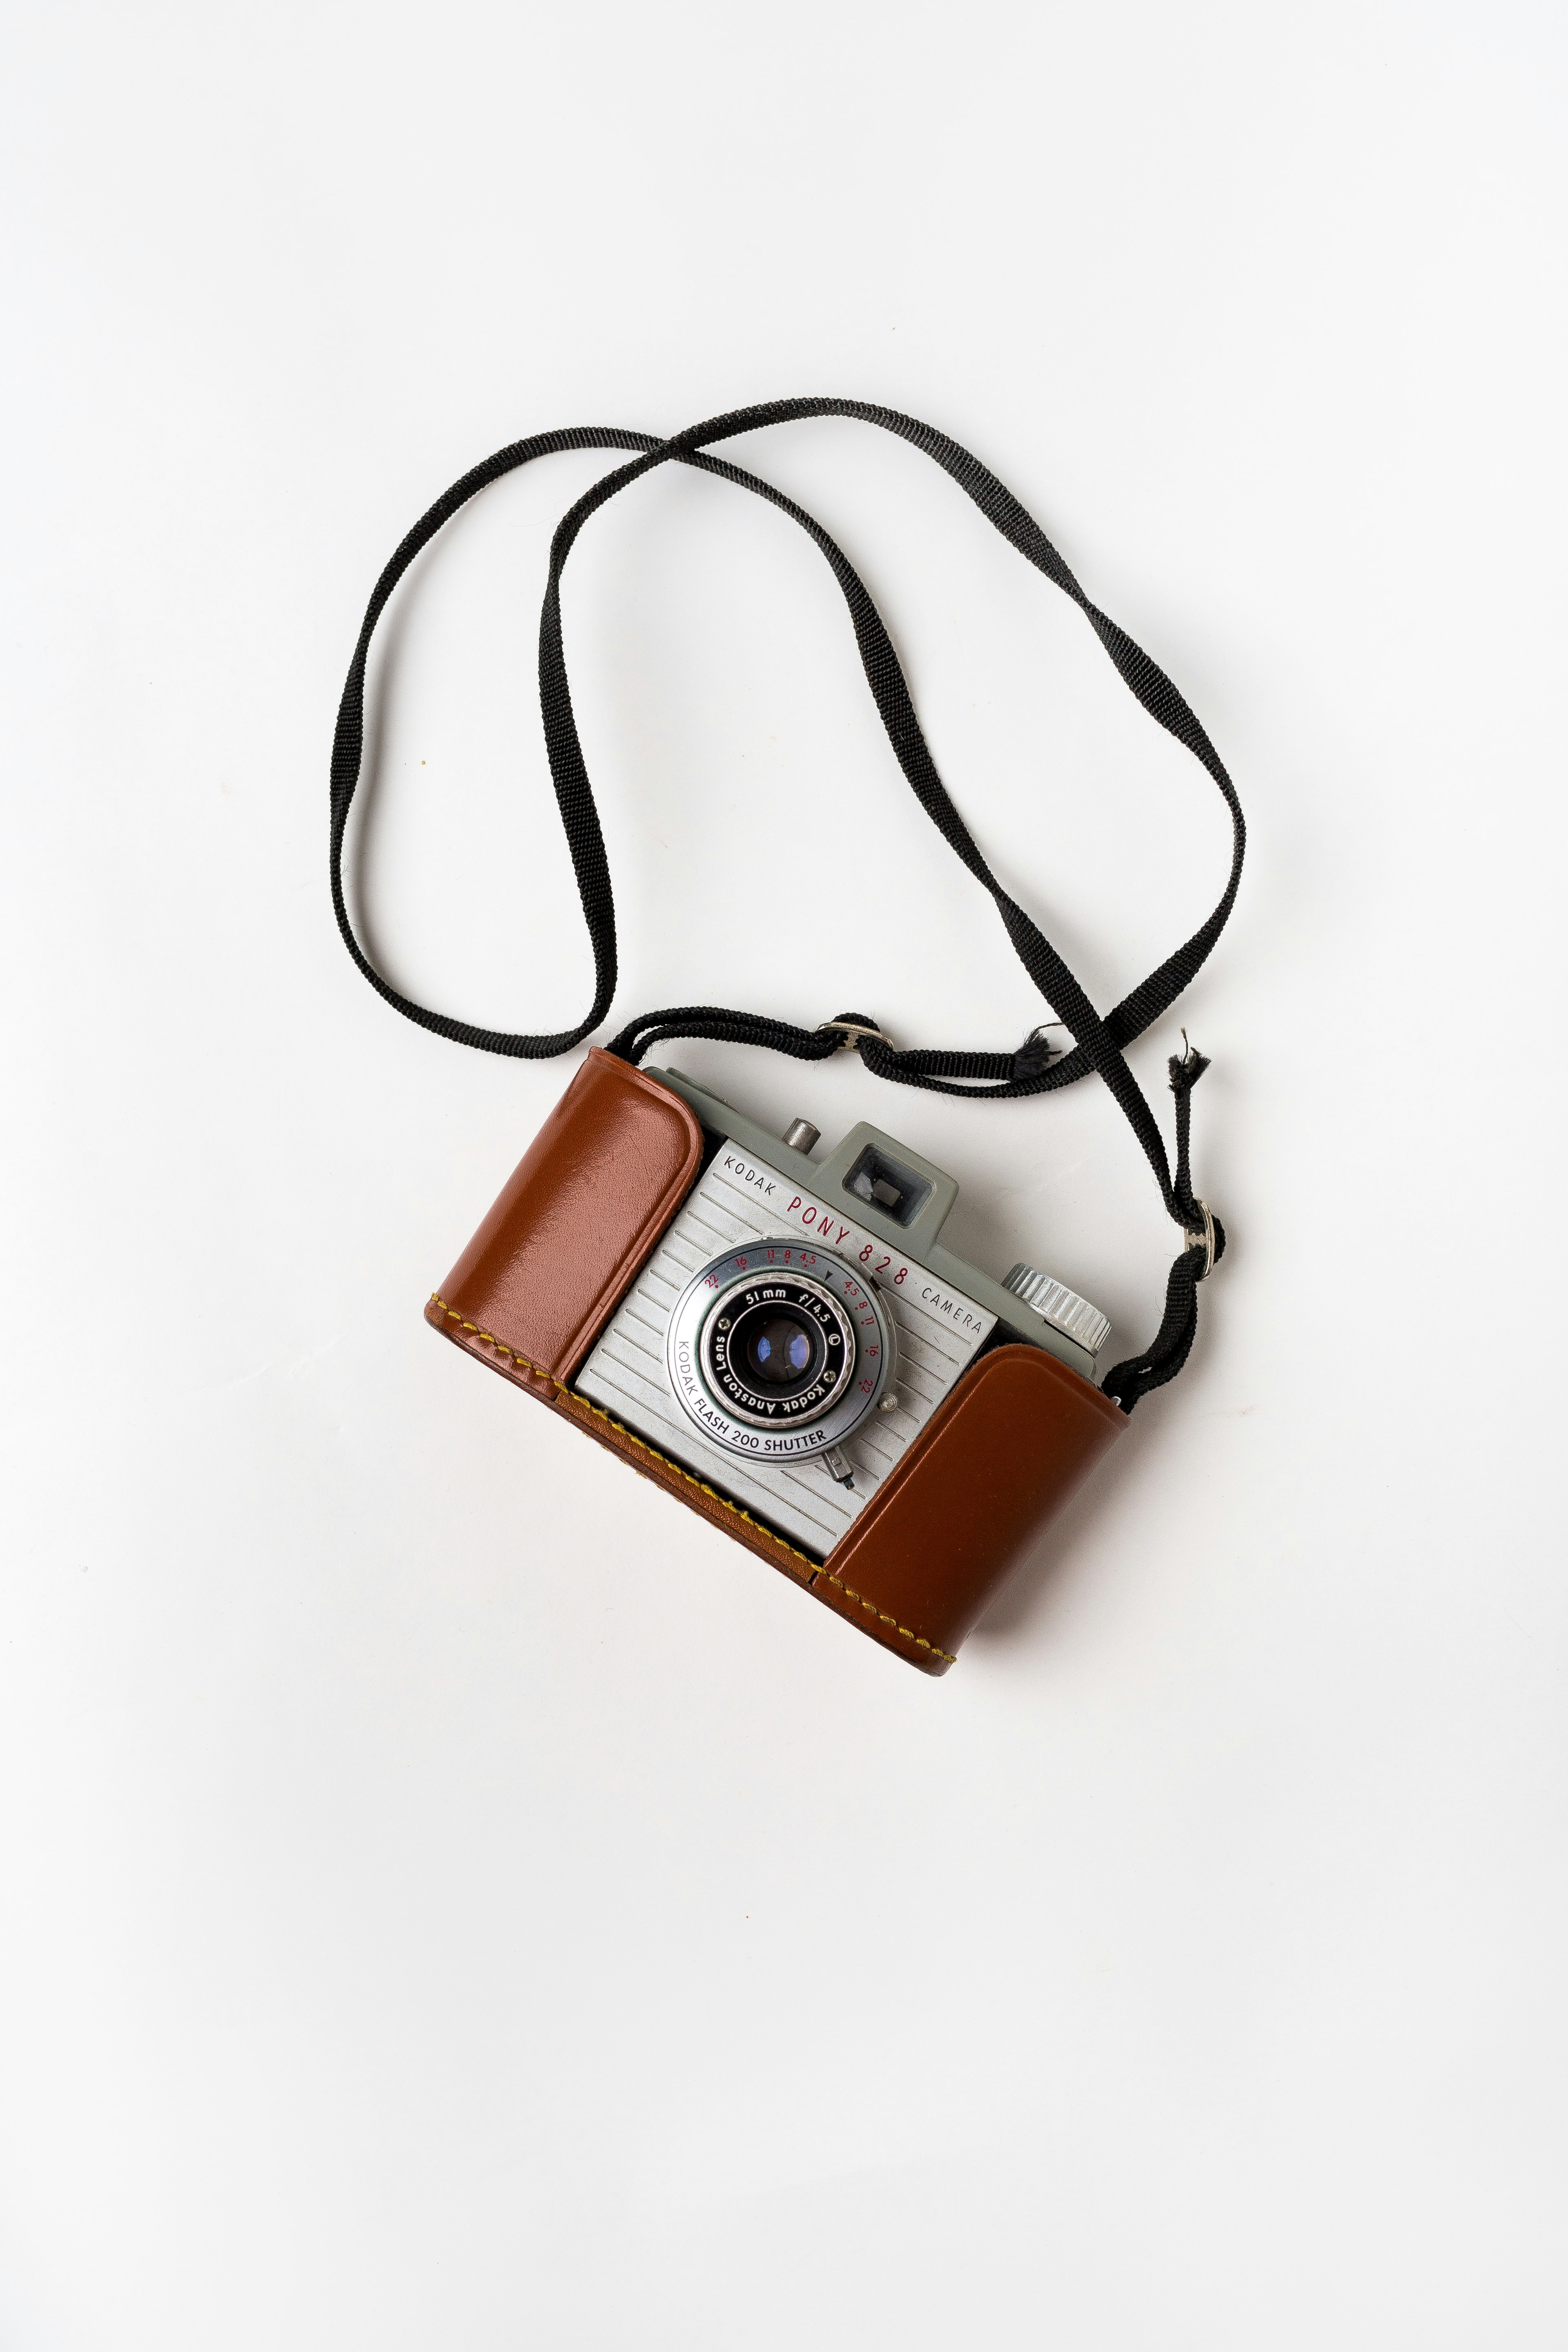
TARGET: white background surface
(452,1898)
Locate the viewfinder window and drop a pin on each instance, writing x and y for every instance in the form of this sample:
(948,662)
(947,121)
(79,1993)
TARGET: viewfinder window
(883,1183)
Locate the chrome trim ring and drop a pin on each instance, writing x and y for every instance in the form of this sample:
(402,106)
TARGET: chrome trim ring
(817,1284)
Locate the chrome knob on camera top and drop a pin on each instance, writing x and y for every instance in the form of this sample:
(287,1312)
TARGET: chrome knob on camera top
(779,1352)
(1058,1306)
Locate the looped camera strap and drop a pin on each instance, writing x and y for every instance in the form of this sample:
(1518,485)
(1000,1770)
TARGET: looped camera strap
(1098,1040)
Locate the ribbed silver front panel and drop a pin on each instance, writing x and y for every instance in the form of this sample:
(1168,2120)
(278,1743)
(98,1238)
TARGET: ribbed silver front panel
(625,1373)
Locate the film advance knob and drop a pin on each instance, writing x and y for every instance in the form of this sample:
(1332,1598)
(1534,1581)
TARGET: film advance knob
(1058,1306)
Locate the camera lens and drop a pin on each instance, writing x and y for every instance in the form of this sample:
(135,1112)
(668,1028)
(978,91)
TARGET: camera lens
(775,1349)
(779,1352)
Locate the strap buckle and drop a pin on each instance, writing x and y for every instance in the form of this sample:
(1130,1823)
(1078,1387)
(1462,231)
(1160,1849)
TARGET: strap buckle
(851,1032)
(1203,1239)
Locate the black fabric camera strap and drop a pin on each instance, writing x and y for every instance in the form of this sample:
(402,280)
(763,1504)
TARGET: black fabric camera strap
(1098,1040)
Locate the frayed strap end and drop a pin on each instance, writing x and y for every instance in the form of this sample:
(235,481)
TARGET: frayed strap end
(1034,1056)
(1185,1070)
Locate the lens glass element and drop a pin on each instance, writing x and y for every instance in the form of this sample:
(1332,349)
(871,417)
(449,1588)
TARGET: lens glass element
(780,1351)
(778,1347)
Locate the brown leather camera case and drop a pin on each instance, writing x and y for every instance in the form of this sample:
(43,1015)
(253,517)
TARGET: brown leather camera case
(547,1268)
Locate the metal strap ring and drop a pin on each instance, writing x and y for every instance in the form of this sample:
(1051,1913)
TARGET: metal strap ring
(851,1032)
(1203,1240)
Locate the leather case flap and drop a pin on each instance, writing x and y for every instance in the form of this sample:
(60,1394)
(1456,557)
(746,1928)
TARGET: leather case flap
(970,1497)
(597,1185)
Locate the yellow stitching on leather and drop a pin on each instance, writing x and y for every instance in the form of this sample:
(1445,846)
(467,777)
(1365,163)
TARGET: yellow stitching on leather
(490,1340)
(723,1501)
(918,1639)
(581,1405)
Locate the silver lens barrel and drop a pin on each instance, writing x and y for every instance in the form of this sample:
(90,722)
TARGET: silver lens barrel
(777,1351)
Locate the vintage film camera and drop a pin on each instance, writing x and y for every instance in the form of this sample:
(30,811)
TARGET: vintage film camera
(783,1344)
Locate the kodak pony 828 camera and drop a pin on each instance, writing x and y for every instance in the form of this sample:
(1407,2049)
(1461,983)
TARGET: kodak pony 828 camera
(783,1343)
